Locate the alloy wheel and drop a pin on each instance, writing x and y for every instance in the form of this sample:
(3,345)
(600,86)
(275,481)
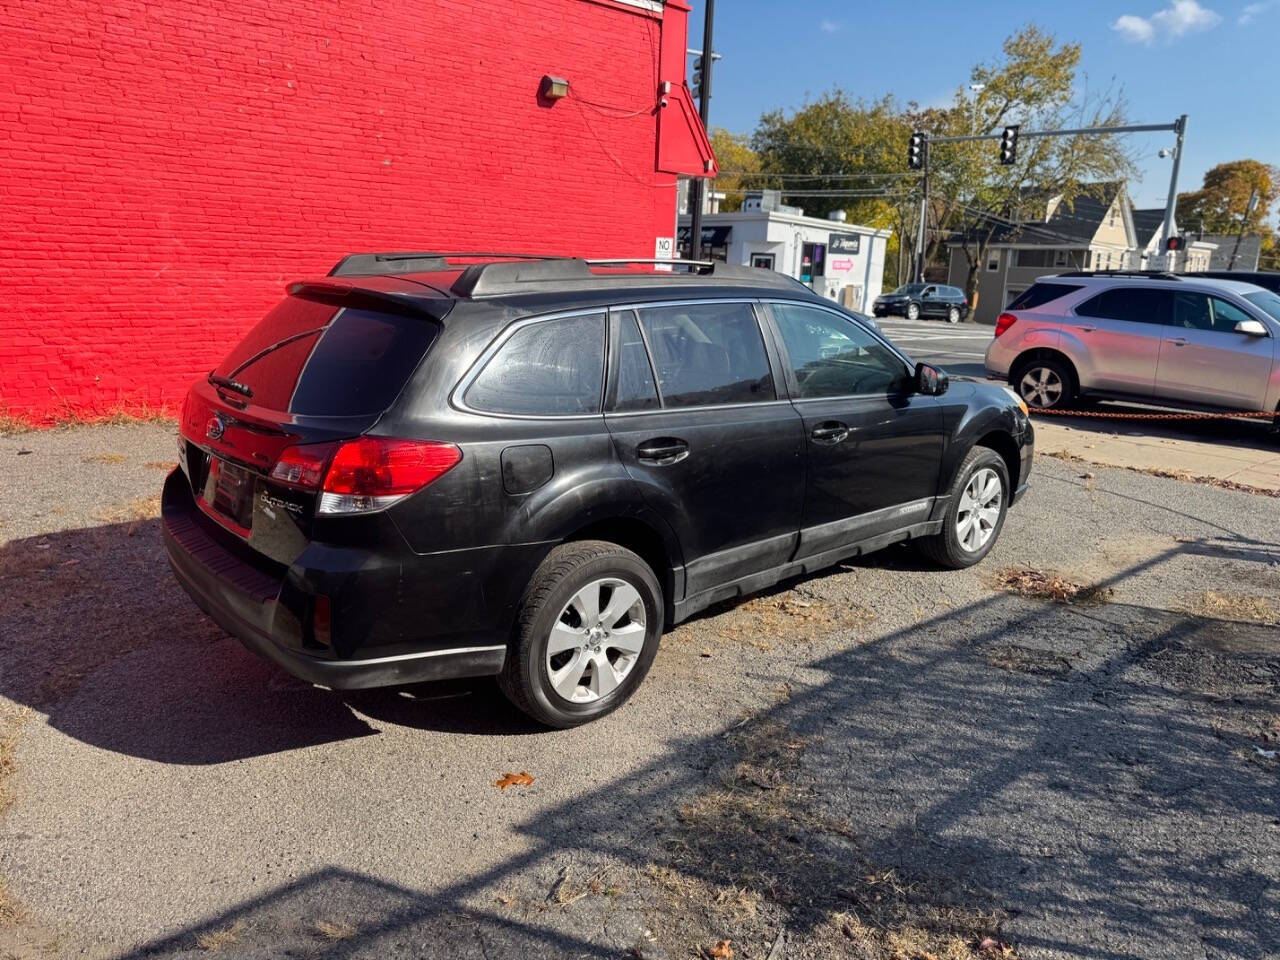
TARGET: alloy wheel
(913,311)
(596,640)
(979,510)
(1041,387)
(953,315)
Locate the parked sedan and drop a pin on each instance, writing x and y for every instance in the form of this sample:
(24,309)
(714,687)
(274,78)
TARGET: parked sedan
(916,300)
(1173,340)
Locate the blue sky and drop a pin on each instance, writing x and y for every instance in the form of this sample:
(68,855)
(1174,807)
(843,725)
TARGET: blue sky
(1215,60)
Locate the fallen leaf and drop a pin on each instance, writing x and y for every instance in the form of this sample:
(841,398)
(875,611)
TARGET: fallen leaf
(721,951)
(521,779)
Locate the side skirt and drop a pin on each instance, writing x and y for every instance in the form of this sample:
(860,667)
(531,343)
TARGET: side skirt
(797,568)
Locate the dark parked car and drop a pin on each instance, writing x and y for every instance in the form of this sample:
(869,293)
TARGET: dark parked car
(437,465)
(916,300)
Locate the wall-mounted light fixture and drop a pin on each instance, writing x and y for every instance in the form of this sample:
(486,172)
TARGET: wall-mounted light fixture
(553,88)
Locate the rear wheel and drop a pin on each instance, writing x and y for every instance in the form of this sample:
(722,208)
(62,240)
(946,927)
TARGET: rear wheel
(913,311)
(1044,384)
(953,315)
(975,514)
(587,633)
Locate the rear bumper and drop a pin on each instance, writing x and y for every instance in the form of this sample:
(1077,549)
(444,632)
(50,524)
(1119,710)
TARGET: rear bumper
(271,613)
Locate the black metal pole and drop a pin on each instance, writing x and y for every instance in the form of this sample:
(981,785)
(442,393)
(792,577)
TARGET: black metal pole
(704,108)
(921,236)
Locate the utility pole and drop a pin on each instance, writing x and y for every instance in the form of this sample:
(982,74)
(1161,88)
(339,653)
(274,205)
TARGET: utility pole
(1244,217)
(1180,127)
(704,108)
(924,212)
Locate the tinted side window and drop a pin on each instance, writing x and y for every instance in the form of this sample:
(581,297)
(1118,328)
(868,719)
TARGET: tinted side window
(833,357)
(547,368)
(708,353)
(1191,311)
(1038,294)
(635,389)
(1127,303)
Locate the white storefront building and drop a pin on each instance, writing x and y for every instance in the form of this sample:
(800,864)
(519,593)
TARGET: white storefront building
(841,261)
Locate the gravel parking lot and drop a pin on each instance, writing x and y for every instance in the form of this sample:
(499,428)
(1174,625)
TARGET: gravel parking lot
(1067,752)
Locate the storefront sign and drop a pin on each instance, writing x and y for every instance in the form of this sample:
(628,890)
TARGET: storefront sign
(845,243)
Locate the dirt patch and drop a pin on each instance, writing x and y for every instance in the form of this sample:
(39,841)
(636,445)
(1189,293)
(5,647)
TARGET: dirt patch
(1183,475)
(1020,659)
(765,621)
(106,458)
(1042,585)
(1236,606)
(334,931)
(11,723)
(754,858)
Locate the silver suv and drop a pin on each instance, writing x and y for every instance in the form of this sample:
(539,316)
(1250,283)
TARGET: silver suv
(1173,340)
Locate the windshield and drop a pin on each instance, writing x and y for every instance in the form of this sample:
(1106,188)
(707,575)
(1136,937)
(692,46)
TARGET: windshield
(910,288)
(1266,300)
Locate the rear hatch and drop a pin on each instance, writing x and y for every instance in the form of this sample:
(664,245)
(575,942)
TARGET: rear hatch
(320,368)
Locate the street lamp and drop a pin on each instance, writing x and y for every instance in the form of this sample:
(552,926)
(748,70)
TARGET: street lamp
(975,89)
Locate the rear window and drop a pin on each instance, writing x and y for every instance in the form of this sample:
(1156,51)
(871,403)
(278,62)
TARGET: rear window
(1038,294)
(1134,304)
(317,359)
(708,353)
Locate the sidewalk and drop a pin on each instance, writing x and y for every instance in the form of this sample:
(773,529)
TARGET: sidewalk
(1240,458)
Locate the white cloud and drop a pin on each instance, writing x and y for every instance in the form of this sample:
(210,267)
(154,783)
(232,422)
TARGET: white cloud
(1252,10)
(828,26)
(1178,19)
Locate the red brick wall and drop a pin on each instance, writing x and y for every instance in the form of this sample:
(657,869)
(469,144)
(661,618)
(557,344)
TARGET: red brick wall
(167,166)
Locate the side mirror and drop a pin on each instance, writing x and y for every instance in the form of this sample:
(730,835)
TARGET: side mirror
(930,380)
(1251,328)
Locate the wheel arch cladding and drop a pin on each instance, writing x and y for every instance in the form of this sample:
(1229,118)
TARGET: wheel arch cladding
(1041,354)
(643,539)
(1002,442)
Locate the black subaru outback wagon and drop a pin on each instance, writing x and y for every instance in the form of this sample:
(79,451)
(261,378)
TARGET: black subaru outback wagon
(442,465)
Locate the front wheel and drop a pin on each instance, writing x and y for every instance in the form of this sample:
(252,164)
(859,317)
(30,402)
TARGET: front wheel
(913,311)
(975,514)
(587,633)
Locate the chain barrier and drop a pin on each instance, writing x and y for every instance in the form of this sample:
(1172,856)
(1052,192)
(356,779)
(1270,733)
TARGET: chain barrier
(1108,415)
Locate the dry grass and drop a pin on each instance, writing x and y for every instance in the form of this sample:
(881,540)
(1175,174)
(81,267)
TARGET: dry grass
(69,416)
(165,465)
(217,939)
(1184,475)
(335,930)
(10,913)
(756,851)
(106,458)
(132,513)
(1237,606)
(780,618)
(11,723)
(1040,585)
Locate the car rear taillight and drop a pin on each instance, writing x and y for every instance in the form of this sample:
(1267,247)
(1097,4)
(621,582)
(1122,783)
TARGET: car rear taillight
(365,474)
(1004,322)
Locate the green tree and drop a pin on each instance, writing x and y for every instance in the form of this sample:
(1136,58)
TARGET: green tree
(739,166)
(1224,196)
(1033,84)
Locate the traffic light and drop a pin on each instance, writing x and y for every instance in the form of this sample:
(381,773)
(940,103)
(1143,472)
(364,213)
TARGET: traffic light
(1009,146)
(1173,244)
(695,84)
(915,151)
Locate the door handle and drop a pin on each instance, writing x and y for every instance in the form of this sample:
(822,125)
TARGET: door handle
(1088,329)
(1179,341)
(829,431)
(663,451)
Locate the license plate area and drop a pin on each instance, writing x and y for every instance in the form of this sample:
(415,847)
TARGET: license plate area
(228,494)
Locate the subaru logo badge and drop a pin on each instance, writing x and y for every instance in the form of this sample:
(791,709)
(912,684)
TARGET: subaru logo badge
(215,427)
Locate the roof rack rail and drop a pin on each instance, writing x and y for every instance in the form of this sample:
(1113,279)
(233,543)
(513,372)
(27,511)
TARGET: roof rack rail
(536,276)
(1143,274)
(376,264)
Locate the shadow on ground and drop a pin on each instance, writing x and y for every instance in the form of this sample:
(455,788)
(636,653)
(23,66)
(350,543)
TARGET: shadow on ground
(1077,780)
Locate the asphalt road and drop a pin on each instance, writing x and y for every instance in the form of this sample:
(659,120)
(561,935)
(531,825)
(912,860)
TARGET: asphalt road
(958,348)
(887,751)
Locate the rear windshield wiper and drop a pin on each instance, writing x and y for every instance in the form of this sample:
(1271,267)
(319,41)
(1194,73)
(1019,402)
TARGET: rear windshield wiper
(226,383)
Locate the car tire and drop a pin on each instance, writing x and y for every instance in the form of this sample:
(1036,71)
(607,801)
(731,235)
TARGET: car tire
(606,674)
(913,311)
(953,315)
(957,545)
(1044,384)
